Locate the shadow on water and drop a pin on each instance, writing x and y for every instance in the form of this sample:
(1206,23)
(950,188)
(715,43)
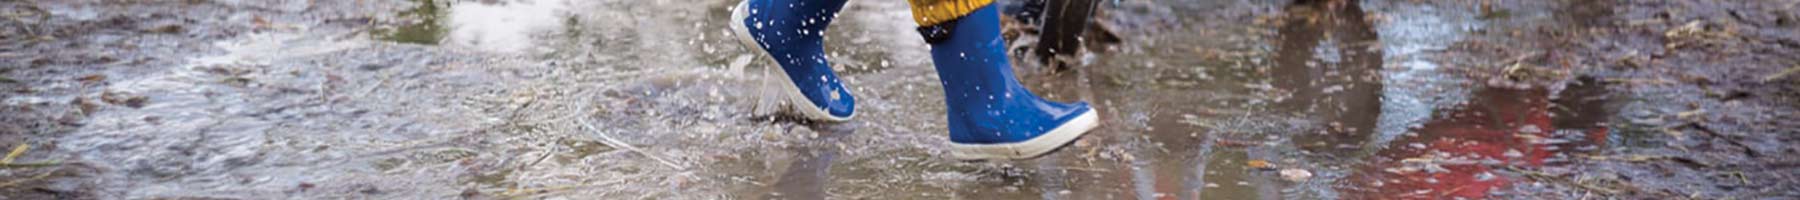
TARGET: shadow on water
(502,26)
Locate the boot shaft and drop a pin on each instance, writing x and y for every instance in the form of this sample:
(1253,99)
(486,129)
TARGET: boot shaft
(791,23)
(986,103)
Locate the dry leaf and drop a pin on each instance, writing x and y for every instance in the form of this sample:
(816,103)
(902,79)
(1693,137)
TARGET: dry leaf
(1259,164)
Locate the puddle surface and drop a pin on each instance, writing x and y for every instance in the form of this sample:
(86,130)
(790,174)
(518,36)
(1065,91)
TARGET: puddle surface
(651,99)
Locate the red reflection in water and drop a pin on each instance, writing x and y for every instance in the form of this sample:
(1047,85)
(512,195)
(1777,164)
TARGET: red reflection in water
(1470,143)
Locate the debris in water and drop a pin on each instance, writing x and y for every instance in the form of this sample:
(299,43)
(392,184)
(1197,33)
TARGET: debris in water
(1484,176)
(1530,129)
(1690,115)
(1296,175)
(1513,153)
(1689,29)
(1784,73)
(617,142)
(128,100)
(1260,164)
(91,79)
(166,29)
(16,152)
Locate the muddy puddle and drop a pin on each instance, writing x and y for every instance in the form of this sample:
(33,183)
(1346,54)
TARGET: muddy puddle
(630,99)
(1328,89)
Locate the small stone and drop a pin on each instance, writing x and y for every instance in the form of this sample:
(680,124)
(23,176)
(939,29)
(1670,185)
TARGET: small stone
(1296,175)
(1514,153)
(1484,176)
(1530,129)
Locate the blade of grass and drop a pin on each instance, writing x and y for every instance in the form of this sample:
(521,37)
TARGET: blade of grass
(16,152)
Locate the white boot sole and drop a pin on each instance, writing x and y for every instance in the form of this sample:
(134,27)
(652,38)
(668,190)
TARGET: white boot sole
(793,98)
(1034,147)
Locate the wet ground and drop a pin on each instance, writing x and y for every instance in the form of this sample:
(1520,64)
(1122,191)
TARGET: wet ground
(633,99)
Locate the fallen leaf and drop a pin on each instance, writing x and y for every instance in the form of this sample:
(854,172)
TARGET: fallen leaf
(1259,164)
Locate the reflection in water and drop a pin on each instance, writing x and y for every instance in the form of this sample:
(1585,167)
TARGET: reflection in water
(425,31)
(1225,178)
(502,26)
(1325,62)
(1457,153)
(808,175)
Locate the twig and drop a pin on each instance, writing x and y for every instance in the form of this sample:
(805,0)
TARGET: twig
(1084,169)
(616,142)
(33,178)
(1734,141)
(1784,73)
(30,165)
(384,81)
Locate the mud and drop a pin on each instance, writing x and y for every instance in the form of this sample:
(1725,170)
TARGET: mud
(625,99)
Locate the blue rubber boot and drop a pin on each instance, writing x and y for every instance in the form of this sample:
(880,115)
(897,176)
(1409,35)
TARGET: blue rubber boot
(992,116)
(792,34)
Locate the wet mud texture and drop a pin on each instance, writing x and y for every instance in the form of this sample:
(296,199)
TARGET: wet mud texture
(631,99)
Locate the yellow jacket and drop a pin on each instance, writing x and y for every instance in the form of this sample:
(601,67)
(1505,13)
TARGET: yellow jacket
(932,12)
